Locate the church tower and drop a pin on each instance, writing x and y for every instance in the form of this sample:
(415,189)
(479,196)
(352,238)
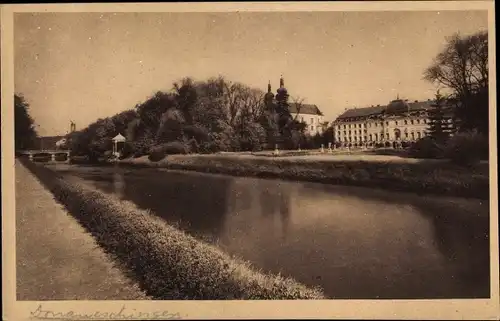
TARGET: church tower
(282,88)
(282,94)
(269,97)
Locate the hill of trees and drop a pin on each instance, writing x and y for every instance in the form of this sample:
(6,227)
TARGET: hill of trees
(200,117)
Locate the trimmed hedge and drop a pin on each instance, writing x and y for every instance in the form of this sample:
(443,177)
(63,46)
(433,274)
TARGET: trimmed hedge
(426,176)
(467,148)
(159,152)
(168,263)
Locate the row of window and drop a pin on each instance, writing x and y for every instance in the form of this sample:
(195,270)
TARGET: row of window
(377,137)
(376,124)
(312,120)
(339,133)
(319,129)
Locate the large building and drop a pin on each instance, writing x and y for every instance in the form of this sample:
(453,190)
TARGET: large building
(309,114)
(391,125)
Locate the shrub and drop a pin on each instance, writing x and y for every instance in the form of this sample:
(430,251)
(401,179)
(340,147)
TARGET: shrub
(426,147)
(159,152)
(193,146)
(200,134)
(128,150)
(467,148)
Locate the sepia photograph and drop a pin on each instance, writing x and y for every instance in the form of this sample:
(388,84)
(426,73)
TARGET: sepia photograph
(267,153)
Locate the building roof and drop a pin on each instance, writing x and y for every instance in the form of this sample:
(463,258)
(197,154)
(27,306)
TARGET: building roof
(395,106)
(119,138)
(308,109)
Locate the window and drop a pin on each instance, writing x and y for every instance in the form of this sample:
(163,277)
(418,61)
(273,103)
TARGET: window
(396,122)
(406,135)
(312,128)
(381,123)
(387,123)
(419,135)
(302,118)
(355,138)
(349,133)
(412,135)
(411,121)
(345,127)
(387,135)
(418,121)
(360,125)
(349,125)
(339,134)
(376,137)
(370,137)
(406,122)
(359,131)
(345,134)
(376,124)
(364,138)
(312,120)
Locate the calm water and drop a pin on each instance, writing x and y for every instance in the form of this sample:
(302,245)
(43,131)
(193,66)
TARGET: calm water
(353,242)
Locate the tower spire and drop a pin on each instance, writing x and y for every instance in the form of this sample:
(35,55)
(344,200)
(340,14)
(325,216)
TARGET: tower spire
(269,86)
(282,81)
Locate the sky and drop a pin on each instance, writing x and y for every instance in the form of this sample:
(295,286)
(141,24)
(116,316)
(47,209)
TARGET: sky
(84,66)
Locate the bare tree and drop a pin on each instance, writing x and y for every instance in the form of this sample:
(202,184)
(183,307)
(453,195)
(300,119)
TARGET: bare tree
(299,103)
(462,66)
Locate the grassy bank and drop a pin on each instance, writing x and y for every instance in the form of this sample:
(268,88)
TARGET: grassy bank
(168,263)
(419,176)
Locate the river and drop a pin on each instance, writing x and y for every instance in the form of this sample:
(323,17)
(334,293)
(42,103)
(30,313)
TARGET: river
(357,243)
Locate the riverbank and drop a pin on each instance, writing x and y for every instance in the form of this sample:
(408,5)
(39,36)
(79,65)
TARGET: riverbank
(387,172)
(166,262)
(56,258)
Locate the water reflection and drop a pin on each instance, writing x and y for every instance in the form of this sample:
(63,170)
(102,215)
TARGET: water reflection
(194,205)
(354,242)
(460,231)
(119,184)
(274,204)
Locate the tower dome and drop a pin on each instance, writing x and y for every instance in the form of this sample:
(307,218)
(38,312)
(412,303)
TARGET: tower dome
(269,96)
(282,89)
(397,106)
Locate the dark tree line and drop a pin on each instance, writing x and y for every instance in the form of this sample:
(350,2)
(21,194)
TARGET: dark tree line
(24,127)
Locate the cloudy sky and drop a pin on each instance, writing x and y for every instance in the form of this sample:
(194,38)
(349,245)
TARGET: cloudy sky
(84,66)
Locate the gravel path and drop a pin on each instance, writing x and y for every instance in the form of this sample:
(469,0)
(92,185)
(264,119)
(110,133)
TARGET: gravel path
(56,258)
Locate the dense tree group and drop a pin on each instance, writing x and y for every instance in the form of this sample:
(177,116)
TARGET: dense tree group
(202,117)
(24,128)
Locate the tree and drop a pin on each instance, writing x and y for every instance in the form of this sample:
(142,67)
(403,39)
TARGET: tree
(462,67)
(438,124)
(24,132)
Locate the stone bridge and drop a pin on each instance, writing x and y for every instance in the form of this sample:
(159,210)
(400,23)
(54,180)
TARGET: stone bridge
(32,154)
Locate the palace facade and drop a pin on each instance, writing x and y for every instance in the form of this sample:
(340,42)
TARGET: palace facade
(391,125)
